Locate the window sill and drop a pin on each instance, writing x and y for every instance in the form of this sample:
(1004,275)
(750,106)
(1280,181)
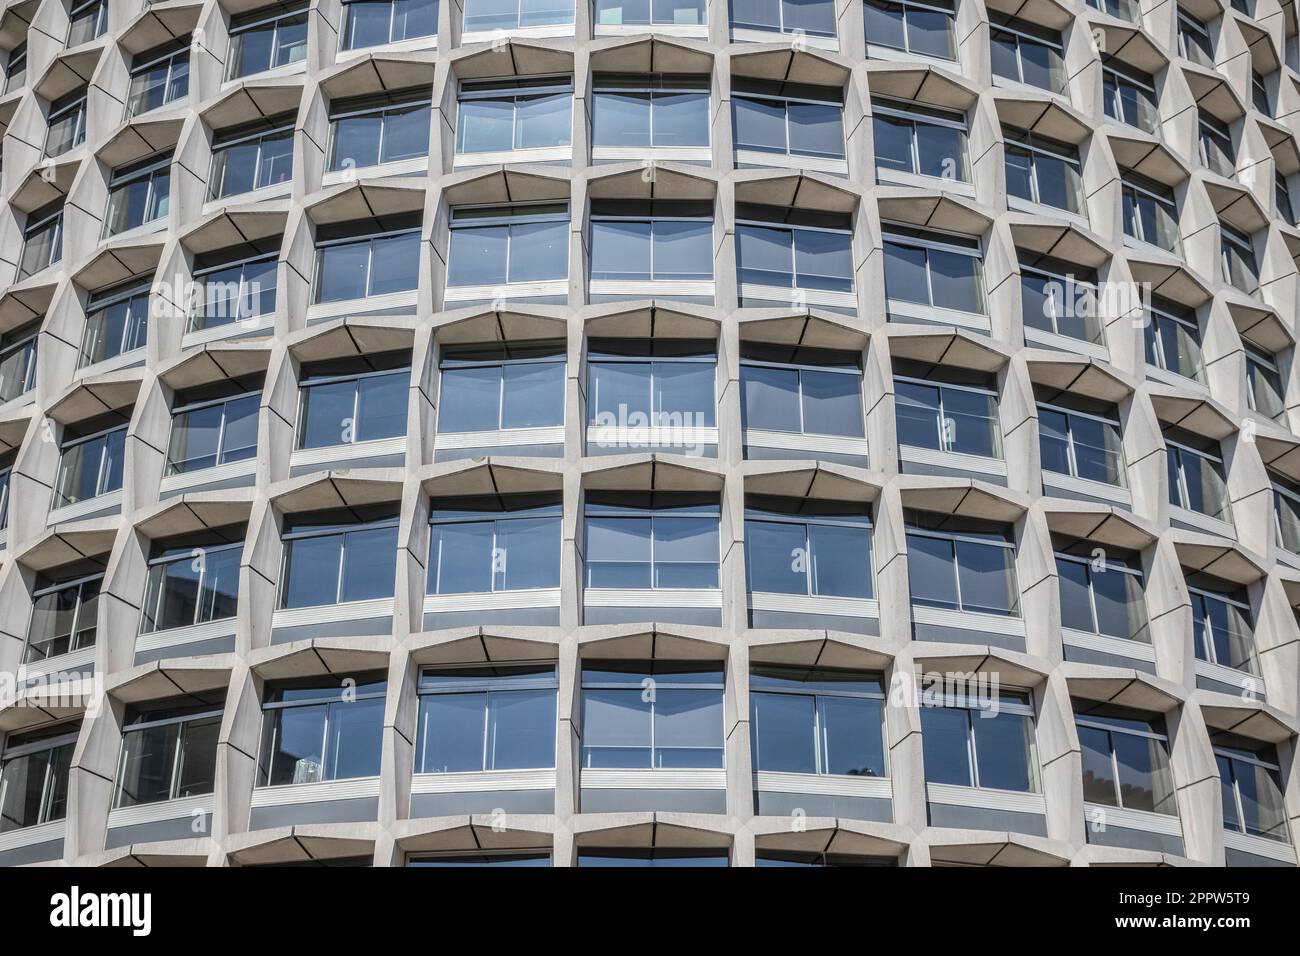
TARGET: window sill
(491,36)
(816,164)
(83,509)
(201,477)
(325,613)
(798,443)
(264,194)
(755,35)
(202,805)
(896,177)
(504,157)
(1202,523)
(1018,86)
(179,637)
(652,289)
(368,304)
(824,784)
(877,52)
(639,154)
(612,439)
(291,793)
(799,298)
(1124,819)
(698,31)
(1087,488)
(952,460)
(400,167)
(381,49)
(500,438)
(1105,644)
(355,454)
(1042,210)
(1065,343)
(492,600)
(1013,801)
(551,288)
(483,781)
(1175,380)
(32,836)
(652,598)
(649,779)
(275,73)
(124,360)
(1243,683)
(852,607)
(974,621)
(898,310)
(230,330)
(1259,846)
(68,663)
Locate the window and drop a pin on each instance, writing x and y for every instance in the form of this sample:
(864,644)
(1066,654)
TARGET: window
(214,429)
(16,68)
(979,742)
(117,322)
(1259,97)
(333,557)
(1122,9)
(1027,53)
(88,21)
(801,391)
(659,540)
(1222,631)
(659,240)
(322,728)
(159,76)
(794,248)
(1080,437)
(1150,212)
(67,123)
(372,257)
(490,717)
(1043,170)
(491,245)
(385,128)
(794,119)
(815,548)
(6,475)
(354,400)
(655,857)
(650,12)
(502,115)
(1250,781)
(487,858)
(919,28)
(659,110)
(482,545)
(810,17)
(1217,152)
(501,386)
(378,22)
(169,750)
(192,580)
(138,194)
(1129,95)
(933,269)
(236,284)
(654,382)
(91,461)
(1237,253)
(1282,198)
(962,564)
(820,721)
(948,409)
(1125,759)
(1101,593)
(34,771)
(64,615)
(1059,297)
(1286,510)
(1173,338)
(264,39)
(1264,389)
(1194,39)
(662,715)
(1197,480)
(252,156)
(42,240)
(481,15)
(922,140)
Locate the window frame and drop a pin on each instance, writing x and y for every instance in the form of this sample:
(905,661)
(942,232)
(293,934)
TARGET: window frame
(198,320)
(659,85)
(32,229)
(490,222)
(1015,27)
(101,20)
(800,368)
(956,536)
(1201,596)
(168,558)
(923,114)
(330,697)
(147,67)
(336,530)
(49,783)
(941,698)
(931,7)
(101,473)
(1157,314)
(632,513)
(79,583)
(1110,729)
(1108,567)
(1116,74)
(784,100)
(73,103)
(369,238)
(519,88)
(345,27)
(862,522)
(1235,756)
(175,759)
(932,239)
(98,305)
(1184,498)
(651,216)
(940,386)
(383,105)
(284,10)
(448,362)
(169,466)
(1036,145)
(795,275)
(315,381)
(148,171)
(550,511)
(276,132)
(1071,456)
(1143,189)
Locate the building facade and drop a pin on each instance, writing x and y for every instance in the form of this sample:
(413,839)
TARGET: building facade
(413,452)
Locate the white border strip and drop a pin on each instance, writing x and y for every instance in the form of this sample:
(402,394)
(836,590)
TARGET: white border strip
(603,779)
(483,781)
(292,793)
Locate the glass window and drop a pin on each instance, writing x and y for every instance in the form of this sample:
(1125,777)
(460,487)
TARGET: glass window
(192,582)
(919,28)
(1250,780)
(234,285)
(251,157)
(159,76)
(1265,393)
(929,268)
(1282,198)
(810,17)
(661,240)
(335,558)
(491,717)
(358,260)
(67,123)
(651,382)
(793,546)
(1150,212)
(1237,254)
(377,22)
(1080,437)
(790,249)
(1027,53)
(647,12)
(662,715)
(962,564)
(481,15)
(505,543)
(651,541)
(137,194)
(803,391)
(372,130)
(659,110)
(1059,297)
(501,386)
(1129,95)
(267,38)
(6,473)
(1173,338)
(1194,39)
(791,118)
(117,322)
(352,401)
(213,432)
(90,466)
(492,245)
(88,21)
(169,751)
(42,240)
(1101,593)
(1222,630)
(34,770)
(1043,170)
(978,742)
(1197,479)
(817,721)
(917,139)
(64,617)
(1217,152)
(943,409)
(1125,759)
(322,728)
(16,68)
(1286,511)
(500,115)
(1259,93)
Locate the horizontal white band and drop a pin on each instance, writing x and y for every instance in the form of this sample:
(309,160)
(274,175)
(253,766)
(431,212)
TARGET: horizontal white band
(951,795)
(483,781)
(601,779)
(290,794)
(814,604)
(492,600)
(969,620)
(637,597)
(1096,813)
(162,810)
(824,784)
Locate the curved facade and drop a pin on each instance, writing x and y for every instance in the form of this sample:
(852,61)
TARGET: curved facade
(674,433)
